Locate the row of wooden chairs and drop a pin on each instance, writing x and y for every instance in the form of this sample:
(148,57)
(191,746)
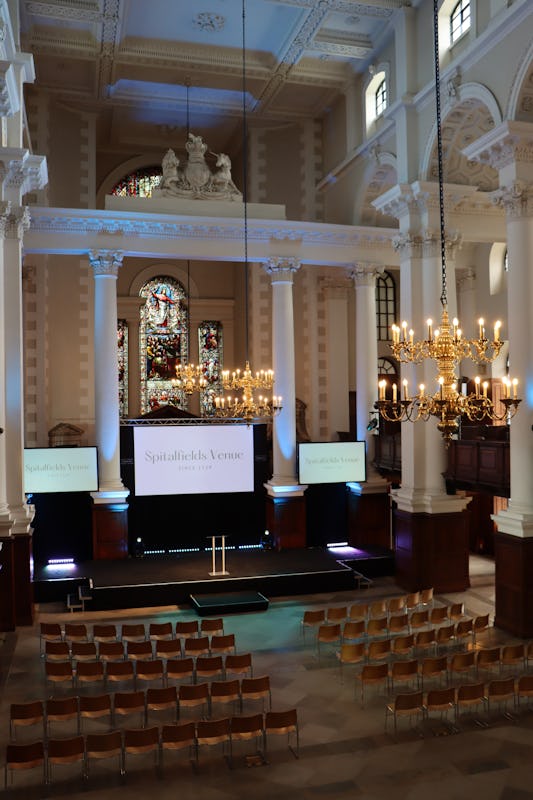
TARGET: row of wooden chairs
(146,649)
(128,632)
(122,744)
(499,692)
(313,618)
(147,670)
(121,704)
(383,638)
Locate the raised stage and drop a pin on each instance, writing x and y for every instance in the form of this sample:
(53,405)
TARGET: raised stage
(171,579)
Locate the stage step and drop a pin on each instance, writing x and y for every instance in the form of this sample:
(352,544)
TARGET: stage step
(228,603)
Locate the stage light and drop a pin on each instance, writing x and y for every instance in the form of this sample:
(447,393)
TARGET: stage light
(372,425)
(139,549)
(336,544)
(58,561)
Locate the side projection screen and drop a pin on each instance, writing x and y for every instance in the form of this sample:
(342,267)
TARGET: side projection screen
(193,459)
(332,462)
(60,469)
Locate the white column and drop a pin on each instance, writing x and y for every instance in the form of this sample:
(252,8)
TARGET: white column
(105,265)
(467,306)
(366,368)
(284,480)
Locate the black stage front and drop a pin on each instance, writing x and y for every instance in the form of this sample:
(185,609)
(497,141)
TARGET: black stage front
(171,579)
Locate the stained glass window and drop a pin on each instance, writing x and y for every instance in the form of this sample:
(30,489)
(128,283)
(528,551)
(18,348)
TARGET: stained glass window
(385,305)
(163,342)
(139,183)
(210,350)
(122,341)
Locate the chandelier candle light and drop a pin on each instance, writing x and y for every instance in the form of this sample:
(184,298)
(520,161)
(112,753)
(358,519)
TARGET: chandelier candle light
(446,346)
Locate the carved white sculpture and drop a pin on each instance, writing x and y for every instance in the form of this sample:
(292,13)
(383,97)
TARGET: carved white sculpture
(196,180)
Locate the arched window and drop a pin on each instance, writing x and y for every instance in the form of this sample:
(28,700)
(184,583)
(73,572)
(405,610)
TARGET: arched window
(122,344)
(210,352)
(459,20)
(386,367)
(163,342)
(139,183)
(385,305)
(381,98)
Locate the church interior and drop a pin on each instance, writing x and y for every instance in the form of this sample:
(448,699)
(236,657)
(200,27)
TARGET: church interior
(265,287)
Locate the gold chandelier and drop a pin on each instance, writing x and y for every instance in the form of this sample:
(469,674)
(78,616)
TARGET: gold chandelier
(245,382)
(446,346)
(189,378)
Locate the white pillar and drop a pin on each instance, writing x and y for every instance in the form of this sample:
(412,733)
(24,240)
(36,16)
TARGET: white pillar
(284,479)
(105,265)
(338,389)
(366,368)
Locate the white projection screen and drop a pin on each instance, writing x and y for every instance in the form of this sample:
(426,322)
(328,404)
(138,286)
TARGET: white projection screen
(332,462)
(60,469)
(193,459)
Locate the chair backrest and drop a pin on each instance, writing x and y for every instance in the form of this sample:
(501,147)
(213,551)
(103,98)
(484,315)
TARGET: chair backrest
(445,634)
(354,630)
(419,618)
(225,690)
(198,646)
(403,644)
(111,651)
(239,664)
(247,727)
(103,745)
(374,672)
(51,631)
(254,688)
(352,653)
(404,669)
(223,644)
(76,632)
(433,665)
(212,626)
(501,688)
(168,648)
(426,638)
(105,633)
(358,611)
(133,632)
(119,671)
(470,694)
(524,686)
(141,740)
(93,706)
(460,662)
(464,628)
(209,665)
(412,600)
(138,651)
(56,651)
(160,630)
(379,650)
(193,693)
(400,622)
(456,611)
(187,628)
(180,668)
(65,751)
(396,605)
(58,671)
(378,608)
(426,596)
(490,655)
(329,633)
(375,627)
(25,756)
(128,702)
(25,714)
(151,670)
(280,722)
(513,653)
(84,651)
(87,671)
(314,617)
(61,709)
(213,731)
(174,737)
(440,699)
(481,623)
(336,613)
(410,701)
(439,614)
(158,698)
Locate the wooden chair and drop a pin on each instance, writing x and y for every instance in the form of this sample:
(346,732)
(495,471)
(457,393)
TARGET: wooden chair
(405,705)
(412,601)
(256,689)
(396,605)
(193,696)
(376,609)
(313,619)
(187,629)
(149,671)
(244,729)
(379,651)
(281,723)
(111,651)
(139,651)
(138,741)
(83,651)
(445,636)
(126,703)
(373,675)
(162,700)
(168,648)
(57,651)
(212,627)
(433,667)
(76,632)
(358,611)
(24,757)
(350,654)
(426,598)
(209,667)
(426,641)
(49,632)
(463,630)
(178,737)
(377,628)
(220,645)
(438,616)
(456,612)
(399,624)
(480,624)
(404,672)
(60,709)
(89,672)
(461,663)
(524,689)
(23,715)
(419,619)
(103,745)
(197,647)
(488,659)
(105,633)
(59,672)
(160,631)
(239,665)
(133,633)
(403,645)
(94,707)
(328,634)
(353,631)
(177,669)
(469,696)
(499,692)
(223,692)
(441,702)
(119,672)
(513,655)
(65,751)
(214,732)
(336,614)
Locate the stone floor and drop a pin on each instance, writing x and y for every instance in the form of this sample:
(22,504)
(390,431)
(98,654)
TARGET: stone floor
(345,751)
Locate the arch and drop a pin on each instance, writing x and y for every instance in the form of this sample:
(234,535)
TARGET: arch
(163,268)
(469,112)
(520,100)
(118,172)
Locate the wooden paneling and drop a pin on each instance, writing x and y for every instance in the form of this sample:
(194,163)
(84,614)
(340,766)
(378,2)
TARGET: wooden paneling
(479,466)
(7,584)
(368,519)
(22,576)
(514,588)
(286,521)
(110,532)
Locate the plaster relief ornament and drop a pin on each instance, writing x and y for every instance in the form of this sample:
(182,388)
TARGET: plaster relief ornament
(196,179)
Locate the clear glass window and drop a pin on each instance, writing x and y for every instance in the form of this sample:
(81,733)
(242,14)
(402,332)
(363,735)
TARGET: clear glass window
(459,20)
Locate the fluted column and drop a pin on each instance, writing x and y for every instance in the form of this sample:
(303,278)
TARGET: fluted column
(109,510)
(286,510)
